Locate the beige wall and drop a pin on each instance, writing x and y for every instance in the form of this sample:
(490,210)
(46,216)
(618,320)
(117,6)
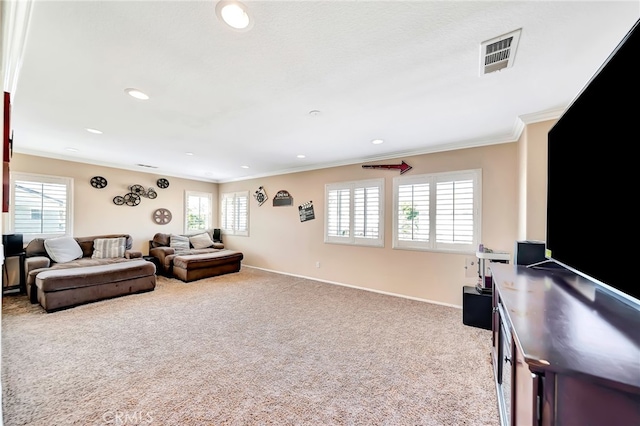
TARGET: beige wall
(279,241)
(532,151)
(94,212)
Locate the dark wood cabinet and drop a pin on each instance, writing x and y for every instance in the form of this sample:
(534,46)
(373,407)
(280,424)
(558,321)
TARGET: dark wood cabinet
(565,350)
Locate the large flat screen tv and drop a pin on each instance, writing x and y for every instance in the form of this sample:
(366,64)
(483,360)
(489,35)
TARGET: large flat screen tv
(593,182)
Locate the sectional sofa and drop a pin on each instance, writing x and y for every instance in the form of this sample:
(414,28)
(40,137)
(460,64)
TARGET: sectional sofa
(63,272)
(193,257)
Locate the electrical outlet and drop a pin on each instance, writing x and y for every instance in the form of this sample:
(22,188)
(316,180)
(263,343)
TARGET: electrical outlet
(317,264)
(471,267)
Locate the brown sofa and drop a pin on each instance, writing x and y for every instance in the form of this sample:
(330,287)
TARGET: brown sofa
(189,264)
(86,279)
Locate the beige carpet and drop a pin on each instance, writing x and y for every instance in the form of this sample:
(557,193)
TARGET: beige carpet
(251,348)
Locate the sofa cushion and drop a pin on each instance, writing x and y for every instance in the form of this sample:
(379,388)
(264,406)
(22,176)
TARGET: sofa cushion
(201,241)
(179,242)
(63,249)
(105,248)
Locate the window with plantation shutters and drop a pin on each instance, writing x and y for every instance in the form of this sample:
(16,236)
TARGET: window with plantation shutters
(198,206)
(354,213)
(234,213)
(439,212)
(41,206)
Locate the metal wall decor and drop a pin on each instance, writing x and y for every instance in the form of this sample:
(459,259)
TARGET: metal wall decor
(162,183)
(261,196)
(133,197)
(403,167)
(162,216)
(306,211)
(98,182)
(282,198)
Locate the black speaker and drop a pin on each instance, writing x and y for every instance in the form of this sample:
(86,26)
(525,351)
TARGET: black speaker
(529,252)
(13,244)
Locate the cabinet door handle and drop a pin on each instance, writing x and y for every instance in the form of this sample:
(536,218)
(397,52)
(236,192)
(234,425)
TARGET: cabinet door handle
(507,359)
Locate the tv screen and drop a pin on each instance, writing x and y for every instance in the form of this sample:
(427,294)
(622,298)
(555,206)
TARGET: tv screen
(591,183)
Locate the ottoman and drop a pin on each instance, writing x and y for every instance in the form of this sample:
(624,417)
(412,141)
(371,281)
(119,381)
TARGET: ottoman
(64,288)
(191,267)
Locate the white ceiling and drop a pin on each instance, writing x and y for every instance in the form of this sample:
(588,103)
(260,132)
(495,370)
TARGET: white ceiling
(407,72)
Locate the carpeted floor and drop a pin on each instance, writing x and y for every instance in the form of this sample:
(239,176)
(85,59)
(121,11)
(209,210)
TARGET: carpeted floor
(251,348)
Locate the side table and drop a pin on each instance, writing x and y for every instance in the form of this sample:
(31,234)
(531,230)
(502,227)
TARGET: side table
(21,287)
(476,308)
(153,260)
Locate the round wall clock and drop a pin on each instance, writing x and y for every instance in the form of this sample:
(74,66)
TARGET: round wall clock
(162,183)
(162,216)
(98,182)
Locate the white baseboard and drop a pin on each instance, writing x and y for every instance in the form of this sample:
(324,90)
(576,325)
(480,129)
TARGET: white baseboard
(356,287)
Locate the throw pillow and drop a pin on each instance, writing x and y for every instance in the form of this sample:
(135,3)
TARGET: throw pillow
(104,248)
(201,241)
(63,249)
(179,242)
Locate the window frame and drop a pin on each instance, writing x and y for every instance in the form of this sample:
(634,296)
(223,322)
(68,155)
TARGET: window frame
(235,196)
(209,215)
(475,175)
(352,239)
(68,182)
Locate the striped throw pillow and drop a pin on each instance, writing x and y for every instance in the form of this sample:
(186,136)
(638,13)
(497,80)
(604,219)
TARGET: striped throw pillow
(104,248)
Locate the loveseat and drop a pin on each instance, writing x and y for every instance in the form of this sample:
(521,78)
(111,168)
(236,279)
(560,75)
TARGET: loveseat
(62,272)
(193,257)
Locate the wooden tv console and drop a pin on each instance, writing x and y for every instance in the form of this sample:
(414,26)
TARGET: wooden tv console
(565,350)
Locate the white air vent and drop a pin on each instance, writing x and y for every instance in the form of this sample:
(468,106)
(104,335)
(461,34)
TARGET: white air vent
(499,53)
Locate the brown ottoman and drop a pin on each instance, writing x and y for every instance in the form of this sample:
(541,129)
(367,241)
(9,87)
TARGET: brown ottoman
(191,267)
(63,288)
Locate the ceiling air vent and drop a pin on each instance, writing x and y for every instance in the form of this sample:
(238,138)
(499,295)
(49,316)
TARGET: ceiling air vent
(499,53)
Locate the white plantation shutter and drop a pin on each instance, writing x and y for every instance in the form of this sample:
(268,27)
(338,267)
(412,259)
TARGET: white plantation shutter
(366,212)
(338,207)
(454,212)
(234,213)
(354,213)
(413,212)
(41,206)
(447,221)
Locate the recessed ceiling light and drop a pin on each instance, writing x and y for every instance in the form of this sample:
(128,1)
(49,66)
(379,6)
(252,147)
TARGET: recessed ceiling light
(95,131)
(245,167)
(314,113)
(137,94)
(188,153)
(234,14)
(71,149)
(301,156)
(377,141)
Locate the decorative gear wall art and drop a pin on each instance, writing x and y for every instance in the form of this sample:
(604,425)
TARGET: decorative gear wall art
(162,216)
(98,182)
(162,183)
(133,197)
